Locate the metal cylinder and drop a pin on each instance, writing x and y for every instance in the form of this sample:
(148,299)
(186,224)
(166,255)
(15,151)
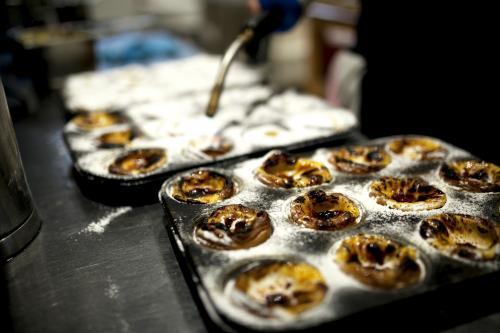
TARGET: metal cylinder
(19,222)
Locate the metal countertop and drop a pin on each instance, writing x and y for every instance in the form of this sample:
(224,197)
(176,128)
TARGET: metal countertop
(125,279)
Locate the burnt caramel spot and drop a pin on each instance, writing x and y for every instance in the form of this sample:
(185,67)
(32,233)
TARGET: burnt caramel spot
(409,264)
(233,227)
(290,287)
(379,262)
(448,173)
(279,158)
(324,211)
(139,161)
(462,235)
(375,156)
(360,159)
(390,249)
(318,196)
(203,187)
(277,299)
(375,253)
(285,171)
(96,120)
(407,193)
(433,228)
(328,214)
(417,148)
(300,199)
(472,175)
(214,146)
(465,253)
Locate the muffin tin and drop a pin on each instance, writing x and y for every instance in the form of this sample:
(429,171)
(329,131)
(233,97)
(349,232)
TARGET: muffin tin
(213,273)
(250,121)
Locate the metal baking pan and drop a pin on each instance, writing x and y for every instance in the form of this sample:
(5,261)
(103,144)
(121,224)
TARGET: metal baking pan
(451,284)
(63,48)
(251,121)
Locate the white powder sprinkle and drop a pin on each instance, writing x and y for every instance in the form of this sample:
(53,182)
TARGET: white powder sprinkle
(100,225)
(112,291)
(168,124)
(319,247)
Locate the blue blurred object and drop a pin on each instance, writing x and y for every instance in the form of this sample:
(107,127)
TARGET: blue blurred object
(140,47)
(292,10)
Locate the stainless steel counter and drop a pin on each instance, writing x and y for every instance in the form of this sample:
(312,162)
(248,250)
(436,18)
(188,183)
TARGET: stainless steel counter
(125,279)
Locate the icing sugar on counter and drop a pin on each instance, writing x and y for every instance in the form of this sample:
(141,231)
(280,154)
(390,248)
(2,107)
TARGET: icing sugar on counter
(99,226)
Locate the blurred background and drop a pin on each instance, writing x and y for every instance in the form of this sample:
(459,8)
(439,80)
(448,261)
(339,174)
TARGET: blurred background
(429,62)
(45,40)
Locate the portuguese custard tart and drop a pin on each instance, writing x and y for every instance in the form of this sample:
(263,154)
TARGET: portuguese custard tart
(461,235)
(407,194)
(359,159)
(96,120)
(213,146)
(204,187)
(472,175)
(417,148)
(117,139)
(379,262)
(233,227)
(279,288)
(285,171)
(324,211)
(139,161)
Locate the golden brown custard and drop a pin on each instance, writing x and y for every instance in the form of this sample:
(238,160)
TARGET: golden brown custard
(214,146)
(233,227)
(203,186)
(359,159)
(417,148)
(95,120)
(472,175)
(276,288)
(407,193)
(379,262)
(116,139)
(286,171)
(324,211)
(139,161)
(462,235)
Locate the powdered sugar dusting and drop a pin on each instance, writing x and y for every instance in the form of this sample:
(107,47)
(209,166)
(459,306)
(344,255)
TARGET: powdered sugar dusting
(290,241)
(99,226)
(170,125)
(133,84)
(112,291)
(170,113)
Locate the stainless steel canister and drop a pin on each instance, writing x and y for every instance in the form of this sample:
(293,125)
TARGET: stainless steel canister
(19,222)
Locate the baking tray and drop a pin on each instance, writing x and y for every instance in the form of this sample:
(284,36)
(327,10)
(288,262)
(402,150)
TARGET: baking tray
(245,117)
(452,289)
(55,51)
